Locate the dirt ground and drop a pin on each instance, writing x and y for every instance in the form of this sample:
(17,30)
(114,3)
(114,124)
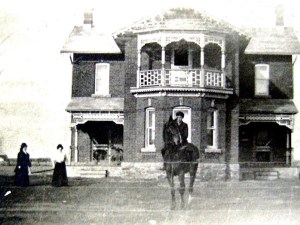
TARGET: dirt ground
(131,201)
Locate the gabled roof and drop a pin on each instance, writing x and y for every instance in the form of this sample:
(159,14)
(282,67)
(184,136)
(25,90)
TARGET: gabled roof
(273,41)
(89,40)
(90,104)
(179,19)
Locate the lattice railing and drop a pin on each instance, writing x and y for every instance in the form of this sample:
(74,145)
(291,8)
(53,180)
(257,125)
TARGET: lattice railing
(150,78)
(182,78)
(213,78)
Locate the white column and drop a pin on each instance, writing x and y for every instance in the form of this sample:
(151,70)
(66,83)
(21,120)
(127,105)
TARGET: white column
(190,59)
(202,67)
(138,69)
(75,144)
(163,61)
(288,148)
(223,69)
(202,57)
(223,60)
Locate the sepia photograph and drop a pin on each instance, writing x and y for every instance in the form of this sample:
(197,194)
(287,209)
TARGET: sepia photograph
(154,112)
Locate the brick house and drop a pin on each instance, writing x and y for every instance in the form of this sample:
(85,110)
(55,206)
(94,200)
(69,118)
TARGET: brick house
(235,90)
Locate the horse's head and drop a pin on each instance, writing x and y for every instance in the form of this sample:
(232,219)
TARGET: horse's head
(171,132)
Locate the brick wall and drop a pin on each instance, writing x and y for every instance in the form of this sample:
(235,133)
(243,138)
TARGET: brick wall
(83,83)
(281,76)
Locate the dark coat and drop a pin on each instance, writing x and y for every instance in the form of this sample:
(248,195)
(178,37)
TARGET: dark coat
(184,132)
(21,170)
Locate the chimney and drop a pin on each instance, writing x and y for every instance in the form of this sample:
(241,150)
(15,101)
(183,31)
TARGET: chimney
(279,12)
(88,19)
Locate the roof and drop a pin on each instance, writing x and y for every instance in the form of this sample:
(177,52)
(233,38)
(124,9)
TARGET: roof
(89,40)
(90,104)
(277,106)
(273,41)
(179,19)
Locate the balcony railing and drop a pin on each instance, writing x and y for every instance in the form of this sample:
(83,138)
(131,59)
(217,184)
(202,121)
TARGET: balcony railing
(181,77)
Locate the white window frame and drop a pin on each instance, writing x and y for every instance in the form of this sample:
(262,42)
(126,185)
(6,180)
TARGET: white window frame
(102,79)
(187,111)
(262,77)
(215,131)
(149,130)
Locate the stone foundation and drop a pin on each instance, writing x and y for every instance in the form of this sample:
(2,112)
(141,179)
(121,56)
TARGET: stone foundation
(206,171)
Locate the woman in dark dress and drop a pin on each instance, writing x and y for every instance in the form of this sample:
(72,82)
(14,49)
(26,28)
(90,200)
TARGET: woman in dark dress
(22,169)
(60,173)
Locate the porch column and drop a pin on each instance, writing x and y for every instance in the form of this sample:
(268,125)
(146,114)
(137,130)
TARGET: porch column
(288,148)
(75,144)
(202,77)
(223,69)
(190,59)
(138,69)
(163,62)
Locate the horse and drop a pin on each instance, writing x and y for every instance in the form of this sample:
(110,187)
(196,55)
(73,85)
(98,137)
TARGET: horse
(179,160)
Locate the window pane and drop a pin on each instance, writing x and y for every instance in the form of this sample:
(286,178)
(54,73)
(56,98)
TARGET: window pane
(261,72)
(261,87)
(102,79)
(210,138)
(210,120)
(150,127)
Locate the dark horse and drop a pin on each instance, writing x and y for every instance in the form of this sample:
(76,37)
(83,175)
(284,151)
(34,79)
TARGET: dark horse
(178,160)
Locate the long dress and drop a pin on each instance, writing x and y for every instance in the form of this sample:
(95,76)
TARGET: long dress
(21,170)
(59,177)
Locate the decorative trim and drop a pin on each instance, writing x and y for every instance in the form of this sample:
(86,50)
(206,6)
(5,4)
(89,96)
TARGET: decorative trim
(281,119)
(164,38)
(83,117)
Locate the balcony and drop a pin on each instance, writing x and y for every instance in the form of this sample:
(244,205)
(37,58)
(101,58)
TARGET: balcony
(181,78)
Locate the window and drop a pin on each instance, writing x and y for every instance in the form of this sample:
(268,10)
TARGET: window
(212,130)
(102,79)
(187,118)
(262,80)
(150,130)
(181,57)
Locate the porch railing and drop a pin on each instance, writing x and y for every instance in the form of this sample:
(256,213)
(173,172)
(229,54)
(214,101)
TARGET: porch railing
(181,77)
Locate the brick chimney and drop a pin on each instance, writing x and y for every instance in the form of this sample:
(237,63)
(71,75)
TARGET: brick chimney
(88,19)
(279,13)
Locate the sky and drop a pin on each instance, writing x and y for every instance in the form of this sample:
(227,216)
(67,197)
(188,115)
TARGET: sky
(35,79)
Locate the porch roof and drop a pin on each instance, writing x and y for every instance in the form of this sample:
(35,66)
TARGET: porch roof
(273,41)
(89,40)
(92,104)
(274,106)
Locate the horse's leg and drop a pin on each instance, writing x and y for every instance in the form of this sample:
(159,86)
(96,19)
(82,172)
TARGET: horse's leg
(182,188)
(193,171)
(171,183)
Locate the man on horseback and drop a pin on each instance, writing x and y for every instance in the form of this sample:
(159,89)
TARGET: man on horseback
(183,135)
(183,128)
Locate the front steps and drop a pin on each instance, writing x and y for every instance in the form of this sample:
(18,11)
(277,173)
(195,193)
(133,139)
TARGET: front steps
(93,171)
(269,173)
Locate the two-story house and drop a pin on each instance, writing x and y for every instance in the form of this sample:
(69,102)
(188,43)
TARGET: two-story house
(235,94)
(266,97)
